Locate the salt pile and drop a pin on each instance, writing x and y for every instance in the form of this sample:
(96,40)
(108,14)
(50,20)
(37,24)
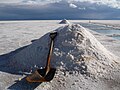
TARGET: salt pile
(75,49)
(64,21)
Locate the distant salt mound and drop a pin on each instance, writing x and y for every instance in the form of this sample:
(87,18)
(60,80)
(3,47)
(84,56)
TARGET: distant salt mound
(64,21)
(76,49)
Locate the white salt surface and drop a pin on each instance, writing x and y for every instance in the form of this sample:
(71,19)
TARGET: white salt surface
(72,43)
(15,34)
(82,62)
(64,21)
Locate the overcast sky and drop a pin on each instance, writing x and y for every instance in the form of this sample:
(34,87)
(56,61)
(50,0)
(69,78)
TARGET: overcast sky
(59,9)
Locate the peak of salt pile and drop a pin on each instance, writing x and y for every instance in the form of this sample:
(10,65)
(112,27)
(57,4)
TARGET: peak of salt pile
(64,21)
(75,49)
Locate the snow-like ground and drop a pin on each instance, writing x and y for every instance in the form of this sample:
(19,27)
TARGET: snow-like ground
(112,22)
(16,34)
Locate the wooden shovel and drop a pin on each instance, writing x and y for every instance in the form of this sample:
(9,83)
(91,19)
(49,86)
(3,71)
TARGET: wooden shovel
(46,74)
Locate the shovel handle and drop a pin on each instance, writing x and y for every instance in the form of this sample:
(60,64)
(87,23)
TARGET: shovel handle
(52,36)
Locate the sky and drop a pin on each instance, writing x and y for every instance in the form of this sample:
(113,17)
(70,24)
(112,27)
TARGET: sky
(59,9)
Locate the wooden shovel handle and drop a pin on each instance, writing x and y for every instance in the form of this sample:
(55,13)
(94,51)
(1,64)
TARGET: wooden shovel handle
(49,57)
(52,36)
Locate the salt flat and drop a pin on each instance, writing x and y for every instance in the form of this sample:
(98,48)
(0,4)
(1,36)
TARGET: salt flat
(113,22)
(16,34)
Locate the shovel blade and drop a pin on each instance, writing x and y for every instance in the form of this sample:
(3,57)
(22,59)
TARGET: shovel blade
(39,75)
(50,74)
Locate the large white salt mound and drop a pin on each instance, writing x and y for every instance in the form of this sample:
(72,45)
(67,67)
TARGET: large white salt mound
(64,21)
(75,49)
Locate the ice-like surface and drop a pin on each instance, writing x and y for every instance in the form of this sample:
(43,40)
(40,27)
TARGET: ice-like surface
(105,29)
(102,69)
(64,21)
(73,42)
(16,34)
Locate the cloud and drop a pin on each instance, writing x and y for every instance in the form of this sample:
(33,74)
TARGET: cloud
(10,1)
(72,5)
(30,2)
(58,10)
(110,3)
(39,1)
(82,8)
